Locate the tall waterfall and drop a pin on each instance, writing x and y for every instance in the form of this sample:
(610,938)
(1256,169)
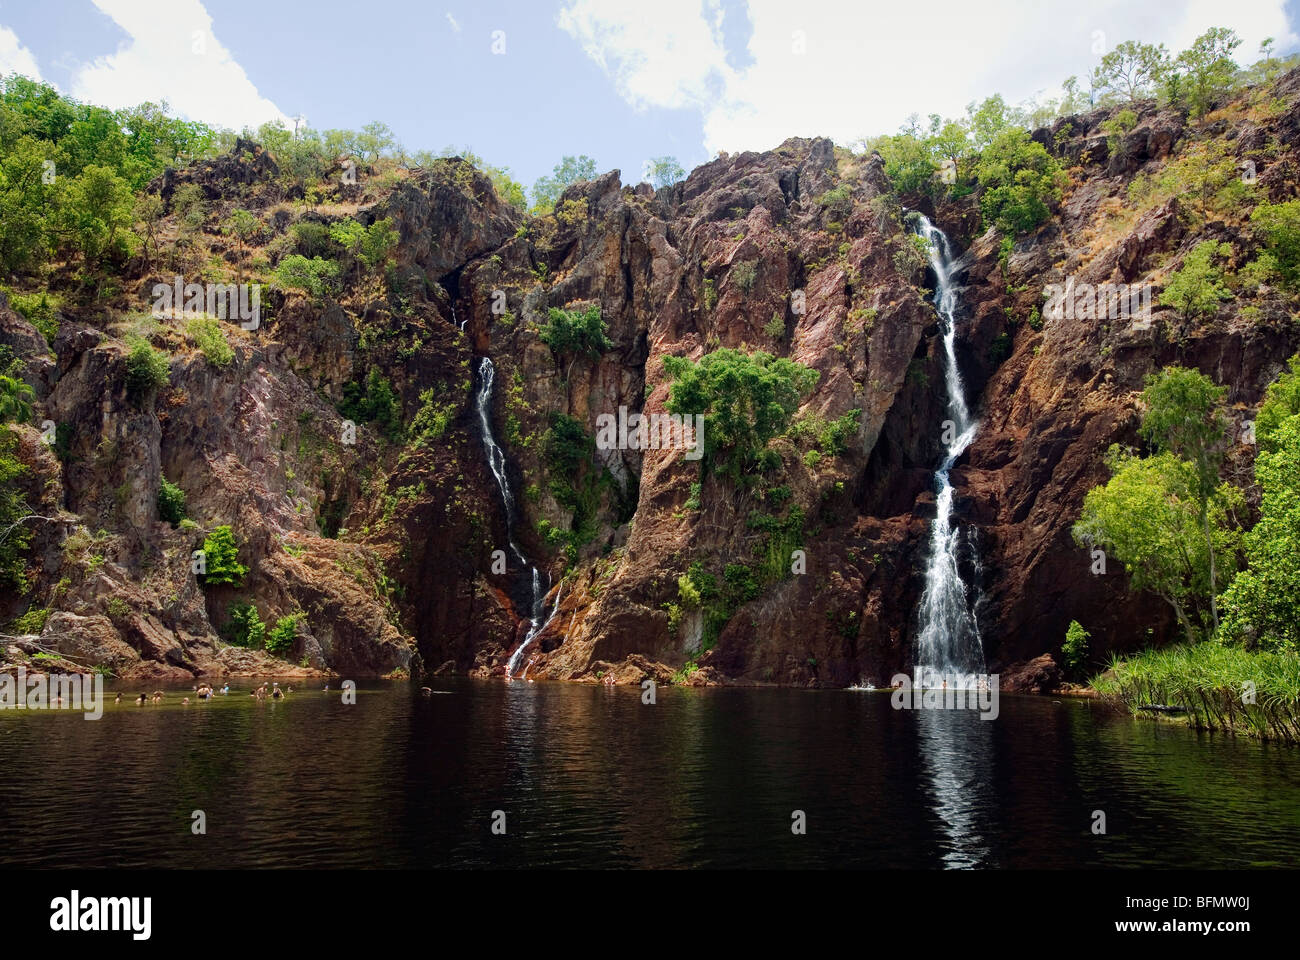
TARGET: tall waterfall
(949,640)
(496,459)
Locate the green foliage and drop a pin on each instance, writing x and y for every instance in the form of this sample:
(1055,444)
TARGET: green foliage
(374,401)
(1278,227)
(433,419)
(1130,70)
(39,310)
(147,369)
(281,637)
(1197,288)
(171,502)
(1262,605)
(746,400)
(1074,651)
(31,622)
(16,396)
(316,276)
(1281,401)
(744,274)
(221,558)
(15,535)
(664,171)
(1207,68)
(1207,680)
(245,627)
(547,190)
(575,481)
(576,333)
(1021,182)
(837,202)
(1147,517)
(211,339)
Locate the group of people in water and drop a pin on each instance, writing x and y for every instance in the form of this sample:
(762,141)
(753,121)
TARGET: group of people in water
(205,691)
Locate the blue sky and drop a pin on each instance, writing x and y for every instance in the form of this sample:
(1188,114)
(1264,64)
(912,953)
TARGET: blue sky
(619,81)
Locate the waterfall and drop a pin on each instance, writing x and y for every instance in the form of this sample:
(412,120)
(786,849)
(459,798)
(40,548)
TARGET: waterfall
(949,640)
(496,459)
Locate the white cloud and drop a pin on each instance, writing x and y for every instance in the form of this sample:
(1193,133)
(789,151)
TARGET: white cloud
(866,67)
(14,57)
(452,20)
(171,53)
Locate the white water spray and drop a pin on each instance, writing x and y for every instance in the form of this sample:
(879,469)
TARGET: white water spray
(949,640)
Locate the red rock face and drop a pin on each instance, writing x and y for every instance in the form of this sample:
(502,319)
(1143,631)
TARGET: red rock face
(797,252)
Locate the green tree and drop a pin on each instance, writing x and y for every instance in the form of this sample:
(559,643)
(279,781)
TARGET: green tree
(1074,650)
(1146,516)
(15,535)
(1207,68)
(1196,289)
(98,213)
(1131,70)
(547,190)
(317,277)
(280,639)
(1262,605)
(243,226)
(221,558)
(746,401)
(1021,182)
(16,397)
(171,502)
(245,627)
(1184,417)
(664,171)
(575,334)
(1277,225)
(147,369)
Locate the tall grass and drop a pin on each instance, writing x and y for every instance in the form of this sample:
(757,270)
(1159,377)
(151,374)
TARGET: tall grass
(1210,681)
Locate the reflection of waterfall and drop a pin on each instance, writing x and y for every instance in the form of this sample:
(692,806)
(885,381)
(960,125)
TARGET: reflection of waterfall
(496,459)
(949,640)
(956,747)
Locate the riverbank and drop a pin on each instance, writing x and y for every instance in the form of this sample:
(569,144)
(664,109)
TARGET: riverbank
(1210,686)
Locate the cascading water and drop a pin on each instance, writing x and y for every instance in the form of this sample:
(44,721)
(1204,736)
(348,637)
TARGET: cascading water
(949,640)
(496,459)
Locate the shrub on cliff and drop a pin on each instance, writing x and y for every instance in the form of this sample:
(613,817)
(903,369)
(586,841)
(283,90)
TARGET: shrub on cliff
(1021,182)
(1278,227)
(245,627)
(575,333)
(316,276)
(746,399)
(280,638)
(171,502)
(221,558)
(147,369)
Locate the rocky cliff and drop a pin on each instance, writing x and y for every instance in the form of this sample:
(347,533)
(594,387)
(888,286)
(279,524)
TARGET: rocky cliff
(388,544)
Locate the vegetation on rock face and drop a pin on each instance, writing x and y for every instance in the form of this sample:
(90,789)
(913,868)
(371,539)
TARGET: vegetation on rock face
(221,558)
(746,400)
(171,502)
(547,190)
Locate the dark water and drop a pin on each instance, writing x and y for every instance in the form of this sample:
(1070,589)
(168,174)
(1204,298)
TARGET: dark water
(589,777)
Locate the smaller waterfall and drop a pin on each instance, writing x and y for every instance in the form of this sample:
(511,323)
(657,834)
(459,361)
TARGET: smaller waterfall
(496,459)
(949,640)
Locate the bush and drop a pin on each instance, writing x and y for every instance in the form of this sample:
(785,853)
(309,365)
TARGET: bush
(1074,651)
(375,401)
(1278,227)
(221,558)
(1196,289)
(211,340)
(746,399)
(39,310)
(1021,182)
(245,628)
(147,369)
(280,640)
(316,276)
(171,502)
